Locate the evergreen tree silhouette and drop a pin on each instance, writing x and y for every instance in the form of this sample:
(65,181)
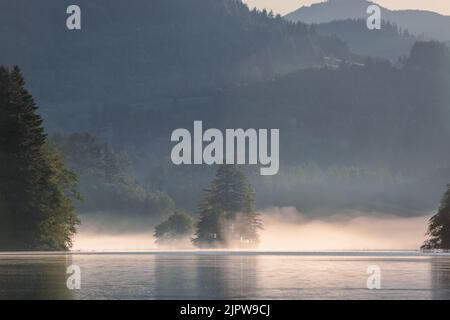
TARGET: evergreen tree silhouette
(439,226)
(35,186)
(227,212)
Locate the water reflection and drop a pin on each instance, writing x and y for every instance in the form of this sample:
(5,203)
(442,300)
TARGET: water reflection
(225,276)
(204,277)
(34,278)
(440,268)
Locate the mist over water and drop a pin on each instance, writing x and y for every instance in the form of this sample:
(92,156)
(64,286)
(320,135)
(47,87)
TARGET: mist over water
(286,229)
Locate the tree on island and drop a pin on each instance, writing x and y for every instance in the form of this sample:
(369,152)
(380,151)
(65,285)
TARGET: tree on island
(227,212)
(439,226)
(178,227)
(36,188)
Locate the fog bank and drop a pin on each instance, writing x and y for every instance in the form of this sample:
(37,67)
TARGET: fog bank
(285,229)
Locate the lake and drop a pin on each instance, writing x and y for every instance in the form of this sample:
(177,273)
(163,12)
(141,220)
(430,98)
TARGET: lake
(225,275)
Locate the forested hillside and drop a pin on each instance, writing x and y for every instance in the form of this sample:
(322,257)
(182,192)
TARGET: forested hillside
(131,55)
(107,184)
(390,42)
(371,131)
(352,135)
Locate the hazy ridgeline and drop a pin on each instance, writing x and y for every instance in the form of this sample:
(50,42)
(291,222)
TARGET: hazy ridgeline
(427,24)
(369,137)
(390,42)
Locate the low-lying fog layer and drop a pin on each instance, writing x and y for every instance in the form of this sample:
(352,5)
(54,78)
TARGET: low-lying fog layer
(285,229)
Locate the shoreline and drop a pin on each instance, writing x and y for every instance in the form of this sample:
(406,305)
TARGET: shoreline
(343,253)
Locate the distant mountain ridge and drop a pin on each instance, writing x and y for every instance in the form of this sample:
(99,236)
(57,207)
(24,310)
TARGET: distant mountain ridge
(429,24)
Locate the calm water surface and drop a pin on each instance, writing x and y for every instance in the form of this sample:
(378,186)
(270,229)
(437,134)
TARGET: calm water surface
(225,275)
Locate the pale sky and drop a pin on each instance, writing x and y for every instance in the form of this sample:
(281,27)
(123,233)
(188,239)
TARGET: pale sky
(286,6)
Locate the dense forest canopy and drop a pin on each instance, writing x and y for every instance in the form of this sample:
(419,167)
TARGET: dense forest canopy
(107,183)
(132,54)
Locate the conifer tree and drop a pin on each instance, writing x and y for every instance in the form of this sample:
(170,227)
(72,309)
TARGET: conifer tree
(35,186)
(177,227)
(439,226)
(227,212)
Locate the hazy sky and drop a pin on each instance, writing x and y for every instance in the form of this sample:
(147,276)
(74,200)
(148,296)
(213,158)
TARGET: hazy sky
(286,6)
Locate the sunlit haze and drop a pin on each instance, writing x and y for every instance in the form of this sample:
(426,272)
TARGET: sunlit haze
(285,229)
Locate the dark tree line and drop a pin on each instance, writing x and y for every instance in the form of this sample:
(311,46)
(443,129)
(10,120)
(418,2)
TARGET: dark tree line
(36,188)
